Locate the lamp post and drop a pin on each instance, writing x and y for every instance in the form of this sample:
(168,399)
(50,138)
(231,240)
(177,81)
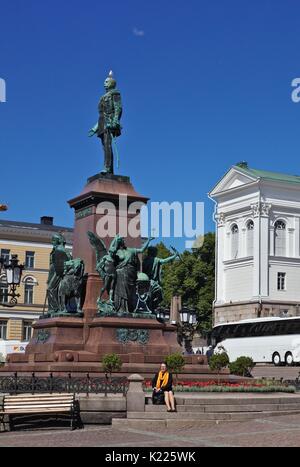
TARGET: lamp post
(187,327)
(162,314)
(13,273)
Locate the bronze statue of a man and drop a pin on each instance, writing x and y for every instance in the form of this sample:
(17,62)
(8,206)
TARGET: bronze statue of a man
(108,126)
(58,256)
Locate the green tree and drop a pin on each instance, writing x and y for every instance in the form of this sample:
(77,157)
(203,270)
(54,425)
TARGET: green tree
(193,278)
(242,366)
(175,363)
(111,362)
(218,362)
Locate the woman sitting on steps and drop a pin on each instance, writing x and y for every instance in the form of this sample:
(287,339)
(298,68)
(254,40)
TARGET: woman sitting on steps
(162,388)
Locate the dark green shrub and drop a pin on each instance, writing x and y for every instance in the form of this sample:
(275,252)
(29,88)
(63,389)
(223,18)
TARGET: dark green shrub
(218,362)
(242,366)
(111,363)
(175,363)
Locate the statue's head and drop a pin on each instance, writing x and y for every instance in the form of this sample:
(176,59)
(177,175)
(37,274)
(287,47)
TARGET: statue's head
(152,251)
(58,239)
(121,242)
(110,82)
(118,242)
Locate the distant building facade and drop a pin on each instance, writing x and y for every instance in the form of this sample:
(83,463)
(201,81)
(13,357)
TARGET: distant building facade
(257,218)
(32,243)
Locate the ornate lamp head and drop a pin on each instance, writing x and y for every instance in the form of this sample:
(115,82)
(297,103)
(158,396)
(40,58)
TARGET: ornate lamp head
(142,284)
(110,82)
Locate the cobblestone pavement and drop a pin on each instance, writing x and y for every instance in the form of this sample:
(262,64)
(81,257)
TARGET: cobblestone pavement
(274,432)
(271,371)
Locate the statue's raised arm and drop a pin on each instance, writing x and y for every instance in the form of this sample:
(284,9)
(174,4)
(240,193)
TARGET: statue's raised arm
(145,246)
(170,259)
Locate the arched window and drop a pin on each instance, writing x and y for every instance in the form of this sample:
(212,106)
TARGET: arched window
(280,238)
(250,238)
(3,290)
(28,291)
(234,241)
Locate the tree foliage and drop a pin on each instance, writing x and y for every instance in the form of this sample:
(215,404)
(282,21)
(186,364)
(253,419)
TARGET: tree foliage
(242,366)
(111,363)
(175,363)
(193,278)
(218,362)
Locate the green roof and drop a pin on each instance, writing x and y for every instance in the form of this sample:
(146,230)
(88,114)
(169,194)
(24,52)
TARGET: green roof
(267,175)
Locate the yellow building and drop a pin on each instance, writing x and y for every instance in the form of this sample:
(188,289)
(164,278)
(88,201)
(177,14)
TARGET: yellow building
(32,244)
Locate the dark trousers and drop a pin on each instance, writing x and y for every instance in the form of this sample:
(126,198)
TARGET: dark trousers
(108,153)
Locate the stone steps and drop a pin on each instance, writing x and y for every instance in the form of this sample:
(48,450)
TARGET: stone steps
(196,411)
(225,408)
(173,421)
(207,416)
(239,399)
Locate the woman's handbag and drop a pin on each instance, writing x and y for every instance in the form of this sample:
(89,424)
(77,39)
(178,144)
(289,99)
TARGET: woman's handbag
(158,397)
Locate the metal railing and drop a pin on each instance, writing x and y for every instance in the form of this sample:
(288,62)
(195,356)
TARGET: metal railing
(33,384)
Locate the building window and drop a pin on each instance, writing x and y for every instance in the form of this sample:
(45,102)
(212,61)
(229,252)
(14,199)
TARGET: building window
(250,239)
(280,238)
(281,282)
(3,330)
(234,241)
(3,290)
(27,330)
(29,259)
(28,295)
(5,255)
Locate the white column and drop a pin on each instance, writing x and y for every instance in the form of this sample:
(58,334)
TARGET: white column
(291,242)
(243,239)
(272,240)
(220,274)
(227,243)
(297,237)
(256,246)
(260,213)
(264,255)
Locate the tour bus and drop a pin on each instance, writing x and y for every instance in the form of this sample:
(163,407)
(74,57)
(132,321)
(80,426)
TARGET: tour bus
(265,340)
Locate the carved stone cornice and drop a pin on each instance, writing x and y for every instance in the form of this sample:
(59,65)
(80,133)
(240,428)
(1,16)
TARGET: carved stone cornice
(220,219)
(261,209)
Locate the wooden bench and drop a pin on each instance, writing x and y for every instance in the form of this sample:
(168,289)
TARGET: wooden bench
(27,404)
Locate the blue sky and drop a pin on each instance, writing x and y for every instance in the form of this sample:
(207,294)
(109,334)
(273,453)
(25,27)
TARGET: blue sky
(205,84)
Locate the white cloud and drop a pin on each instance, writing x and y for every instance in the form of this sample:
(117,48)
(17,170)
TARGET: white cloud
(138,32)
(2,90)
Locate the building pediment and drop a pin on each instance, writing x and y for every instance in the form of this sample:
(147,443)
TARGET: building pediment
(233,179)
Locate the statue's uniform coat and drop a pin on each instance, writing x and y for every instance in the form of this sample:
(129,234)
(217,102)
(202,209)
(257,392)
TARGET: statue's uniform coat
(110,109)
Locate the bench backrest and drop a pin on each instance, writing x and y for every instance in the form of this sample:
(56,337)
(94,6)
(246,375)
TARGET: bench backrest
(47,402)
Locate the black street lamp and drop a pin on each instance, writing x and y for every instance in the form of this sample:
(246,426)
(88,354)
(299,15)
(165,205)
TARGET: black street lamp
(187,327)
(162,314)
(13,274)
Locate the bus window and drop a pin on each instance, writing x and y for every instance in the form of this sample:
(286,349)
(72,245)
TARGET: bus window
(272,328)
(215,335)
(296,326)
(266,329)
(227,332)
(242,330)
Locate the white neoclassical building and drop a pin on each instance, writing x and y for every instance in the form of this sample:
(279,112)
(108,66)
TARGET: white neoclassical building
(257,216)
